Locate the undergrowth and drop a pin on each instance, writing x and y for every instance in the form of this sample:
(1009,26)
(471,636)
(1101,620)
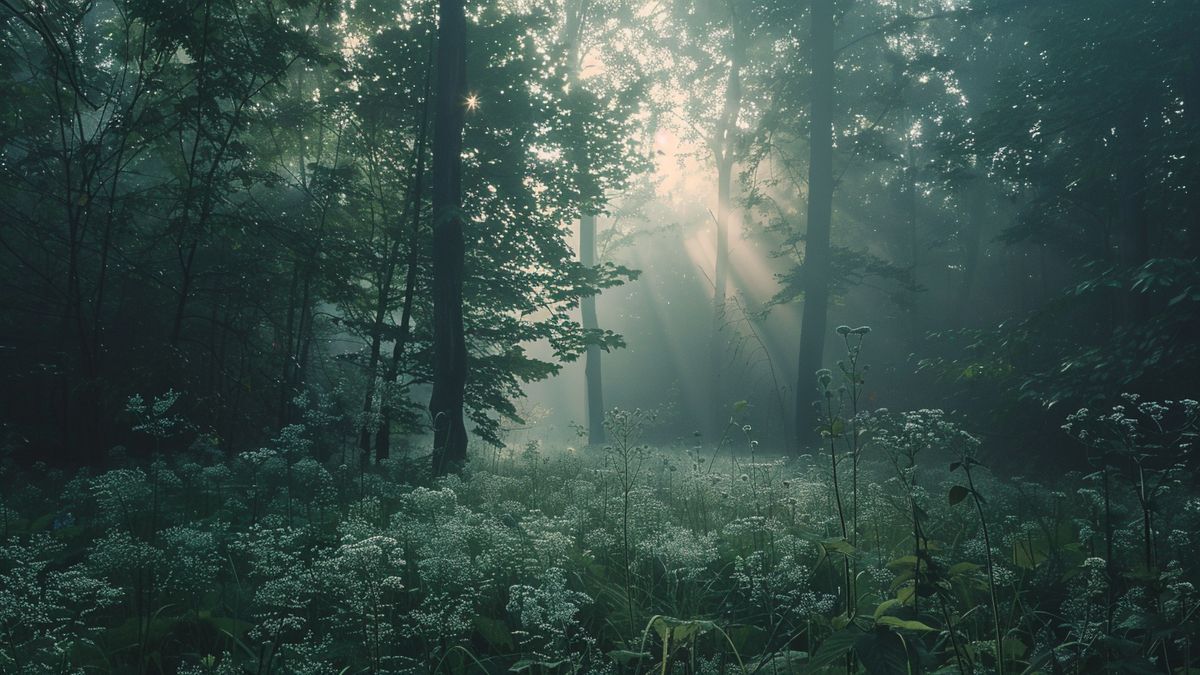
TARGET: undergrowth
(894,550)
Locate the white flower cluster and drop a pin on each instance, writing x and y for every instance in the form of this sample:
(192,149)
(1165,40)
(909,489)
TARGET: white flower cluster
(45,612)
(680,551)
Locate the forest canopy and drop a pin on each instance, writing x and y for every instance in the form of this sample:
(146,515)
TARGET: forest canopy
(233,203)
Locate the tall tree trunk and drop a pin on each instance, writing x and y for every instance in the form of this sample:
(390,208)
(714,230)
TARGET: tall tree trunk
(914,240)
(449,343)
(592,370)
(718,415)
(817,256)
(587,305)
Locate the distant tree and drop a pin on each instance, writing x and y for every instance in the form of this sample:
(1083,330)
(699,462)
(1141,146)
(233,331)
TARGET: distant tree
(1101,195)
(817,258)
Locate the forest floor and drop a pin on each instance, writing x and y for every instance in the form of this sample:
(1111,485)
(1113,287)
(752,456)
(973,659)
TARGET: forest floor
(624,559)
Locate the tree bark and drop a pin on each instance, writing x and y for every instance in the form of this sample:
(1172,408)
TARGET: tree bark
(592,369)
(587,305)
(450,352)
(718,415)
(911,206)
(817,256)
(383,294)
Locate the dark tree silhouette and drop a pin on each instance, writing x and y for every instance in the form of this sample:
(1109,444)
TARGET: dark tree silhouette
(449,345)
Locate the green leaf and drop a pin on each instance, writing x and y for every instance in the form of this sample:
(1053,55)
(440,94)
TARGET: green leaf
(495,632)
(747,639)
(627,658)
(957,494)
(904,624)
(887,605)
(839,545)
(962,568)
(837,427)
(785,663)
(834,648)
(679,630)
(1035,548)
(1014,649)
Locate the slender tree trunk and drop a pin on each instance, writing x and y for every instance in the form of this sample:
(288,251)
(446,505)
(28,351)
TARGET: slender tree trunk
(718,415)
(449,343)
(305,330)
(914,240)
(306,338)
(221,382)
(299,333)
(186,261)
(383,297)
(381,306)
(383,439)
(185,290)
(285,371)
(587,305)
(972,235)
(817,256)
(592,371)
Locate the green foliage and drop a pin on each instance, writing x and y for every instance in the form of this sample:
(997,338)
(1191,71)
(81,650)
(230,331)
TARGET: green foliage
(630,559)
(248,206)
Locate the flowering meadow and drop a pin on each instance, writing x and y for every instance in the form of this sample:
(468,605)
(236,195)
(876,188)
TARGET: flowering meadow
(894,551)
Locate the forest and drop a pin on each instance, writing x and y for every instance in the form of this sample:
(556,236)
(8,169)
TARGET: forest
(688,337)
